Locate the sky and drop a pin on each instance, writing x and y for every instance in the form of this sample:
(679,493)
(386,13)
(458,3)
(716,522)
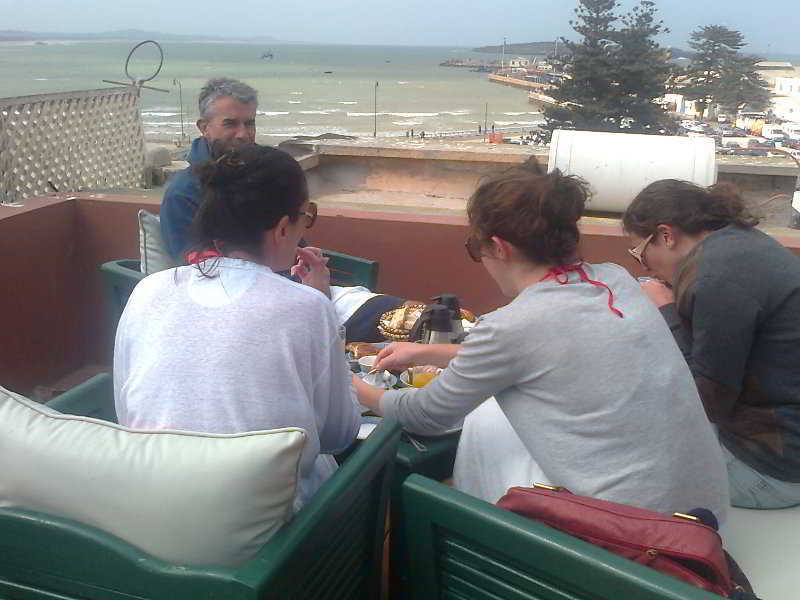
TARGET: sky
(771,26)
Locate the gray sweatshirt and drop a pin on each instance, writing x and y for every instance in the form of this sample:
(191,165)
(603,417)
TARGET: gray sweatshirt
(605,405)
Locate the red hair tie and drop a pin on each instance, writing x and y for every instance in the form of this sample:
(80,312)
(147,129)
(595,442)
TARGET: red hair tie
(192,258)
(561,276)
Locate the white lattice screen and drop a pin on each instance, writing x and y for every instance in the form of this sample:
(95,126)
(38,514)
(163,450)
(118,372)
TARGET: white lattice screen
(77,140)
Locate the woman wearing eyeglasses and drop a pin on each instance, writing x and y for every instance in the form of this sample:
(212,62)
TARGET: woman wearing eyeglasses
(735,313)
(227,345)
(580,362)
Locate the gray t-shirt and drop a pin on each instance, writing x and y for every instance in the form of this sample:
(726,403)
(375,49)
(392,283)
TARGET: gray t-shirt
(605,405)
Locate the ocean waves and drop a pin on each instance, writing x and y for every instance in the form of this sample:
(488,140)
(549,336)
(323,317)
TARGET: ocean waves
(403,115)
(520,123)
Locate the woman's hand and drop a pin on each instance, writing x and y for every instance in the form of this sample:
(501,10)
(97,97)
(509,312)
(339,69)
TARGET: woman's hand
(312,269)
(368,395)
(659,294)
(398,356)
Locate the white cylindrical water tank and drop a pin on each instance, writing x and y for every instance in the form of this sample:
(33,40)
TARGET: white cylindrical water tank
(619,165)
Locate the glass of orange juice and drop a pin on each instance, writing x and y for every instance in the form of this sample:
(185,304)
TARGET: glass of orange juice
(419,377)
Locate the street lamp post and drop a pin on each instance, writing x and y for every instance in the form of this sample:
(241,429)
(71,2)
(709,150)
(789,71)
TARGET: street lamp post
(375,113)
(177,82)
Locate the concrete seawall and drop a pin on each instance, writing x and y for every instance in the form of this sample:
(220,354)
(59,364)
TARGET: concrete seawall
(519,83)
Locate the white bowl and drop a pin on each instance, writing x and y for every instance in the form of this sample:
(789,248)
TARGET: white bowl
(366,363)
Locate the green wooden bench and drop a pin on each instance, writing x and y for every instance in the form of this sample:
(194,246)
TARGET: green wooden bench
(333,548)
(463,548)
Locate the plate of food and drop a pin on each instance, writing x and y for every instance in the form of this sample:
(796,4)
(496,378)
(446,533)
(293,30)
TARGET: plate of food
(396,325)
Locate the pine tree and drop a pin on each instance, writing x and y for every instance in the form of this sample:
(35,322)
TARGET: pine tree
(720,75)
(585,98)
(617,73)
(741,86)
(642,68)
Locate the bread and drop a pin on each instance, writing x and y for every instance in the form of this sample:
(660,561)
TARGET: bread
(361,349)
(396,324)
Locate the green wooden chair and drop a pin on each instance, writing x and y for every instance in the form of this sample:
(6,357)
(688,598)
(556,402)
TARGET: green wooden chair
(463,548)
(333,548)
(93,398)
(121,276)
(433,459)
(351,270)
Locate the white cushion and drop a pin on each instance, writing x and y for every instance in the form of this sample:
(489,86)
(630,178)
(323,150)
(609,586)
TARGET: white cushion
(766,546)
(153,255)
(186,498)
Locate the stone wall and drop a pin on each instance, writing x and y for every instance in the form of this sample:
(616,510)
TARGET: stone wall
(439,177)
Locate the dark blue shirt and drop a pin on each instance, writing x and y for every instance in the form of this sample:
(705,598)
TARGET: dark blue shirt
(180,202)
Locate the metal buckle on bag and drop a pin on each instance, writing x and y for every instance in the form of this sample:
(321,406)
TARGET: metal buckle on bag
(552,488)
(685,516)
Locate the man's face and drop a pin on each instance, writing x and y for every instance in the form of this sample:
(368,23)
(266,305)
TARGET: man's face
(231,123)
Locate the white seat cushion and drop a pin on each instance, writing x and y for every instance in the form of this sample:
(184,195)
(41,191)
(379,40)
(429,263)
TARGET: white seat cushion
(766,545)
(186,498)
(153,255)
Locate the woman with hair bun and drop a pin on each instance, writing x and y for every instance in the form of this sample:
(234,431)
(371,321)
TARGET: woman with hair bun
(734,310)
(227,345)
(580,363)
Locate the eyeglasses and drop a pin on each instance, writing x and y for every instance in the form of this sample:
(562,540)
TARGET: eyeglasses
(473,246)
(310,214)
(638,252)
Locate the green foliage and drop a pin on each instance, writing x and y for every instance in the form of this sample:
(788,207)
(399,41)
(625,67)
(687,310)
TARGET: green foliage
(720,74)
(642,66)
(618,70)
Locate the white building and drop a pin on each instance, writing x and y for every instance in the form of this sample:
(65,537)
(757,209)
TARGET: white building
(786,98)
(677,103)
(519,62)
(787,108)
(787,86)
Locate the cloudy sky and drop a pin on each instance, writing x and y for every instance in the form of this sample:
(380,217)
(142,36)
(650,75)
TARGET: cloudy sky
(770,25)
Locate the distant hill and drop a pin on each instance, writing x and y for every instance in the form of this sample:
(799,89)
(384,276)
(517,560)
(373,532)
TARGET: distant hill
(680,53)
(549,48)
(10,35)
(526,49)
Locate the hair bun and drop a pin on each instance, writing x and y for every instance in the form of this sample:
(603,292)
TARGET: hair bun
(224,170)
(565,203)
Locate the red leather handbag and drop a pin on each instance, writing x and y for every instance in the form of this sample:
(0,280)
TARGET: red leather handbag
(678,545)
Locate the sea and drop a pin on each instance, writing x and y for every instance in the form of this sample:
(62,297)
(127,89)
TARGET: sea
(303,89)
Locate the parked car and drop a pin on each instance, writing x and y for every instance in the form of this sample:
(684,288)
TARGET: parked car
(749,152)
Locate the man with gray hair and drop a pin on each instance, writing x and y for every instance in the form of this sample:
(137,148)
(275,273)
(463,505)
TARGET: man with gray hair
(227,120)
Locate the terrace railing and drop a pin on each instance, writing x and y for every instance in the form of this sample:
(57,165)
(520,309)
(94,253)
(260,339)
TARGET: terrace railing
(69,142)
